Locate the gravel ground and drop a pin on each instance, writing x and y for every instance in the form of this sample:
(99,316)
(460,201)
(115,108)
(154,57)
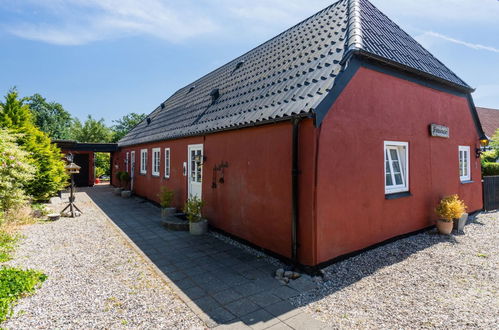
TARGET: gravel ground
(95,280)
(424,281)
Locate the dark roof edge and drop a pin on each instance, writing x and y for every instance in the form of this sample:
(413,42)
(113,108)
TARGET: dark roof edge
(225,129)
(365,54)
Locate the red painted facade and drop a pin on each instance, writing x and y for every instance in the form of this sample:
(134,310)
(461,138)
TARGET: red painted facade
(342,205)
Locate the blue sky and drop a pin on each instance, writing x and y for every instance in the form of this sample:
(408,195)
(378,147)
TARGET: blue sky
(111,57)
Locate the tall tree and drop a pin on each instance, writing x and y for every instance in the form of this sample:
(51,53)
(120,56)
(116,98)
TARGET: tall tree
(125,124)
(49,117)
(50,175)
(13,112)
(93,131)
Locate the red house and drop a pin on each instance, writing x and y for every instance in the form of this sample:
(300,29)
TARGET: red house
(337,134)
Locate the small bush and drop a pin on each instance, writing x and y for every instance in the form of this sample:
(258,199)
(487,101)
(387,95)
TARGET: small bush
(14,284)
(489,169)
(7,245)
(450,207)
(193,208)
(165,197)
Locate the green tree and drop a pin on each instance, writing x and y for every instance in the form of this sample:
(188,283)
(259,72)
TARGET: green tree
(102,164)
(13,112)
(93,131)
(50,175)
(16,172)
(125,124)
(49,117)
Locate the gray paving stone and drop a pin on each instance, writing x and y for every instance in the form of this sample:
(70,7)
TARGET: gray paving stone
(285,292)
(283,310)
(195,292)
(264,299)
(227,296)
(221,315)
(259,319)
(249,289)
(206,303)
(305,321)
(242,307)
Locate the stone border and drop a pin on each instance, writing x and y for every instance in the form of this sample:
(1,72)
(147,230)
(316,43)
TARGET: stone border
(176,290)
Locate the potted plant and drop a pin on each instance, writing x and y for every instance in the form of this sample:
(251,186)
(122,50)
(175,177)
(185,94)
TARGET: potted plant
(125,180)
(192,209)
(449,209)
(166,200)
(118,189)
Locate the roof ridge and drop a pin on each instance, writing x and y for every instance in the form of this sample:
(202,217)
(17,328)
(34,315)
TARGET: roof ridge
(354,34)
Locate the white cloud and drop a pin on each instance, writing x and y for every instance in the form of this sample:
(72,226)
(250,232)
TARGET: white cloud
(426,37)
(77,22)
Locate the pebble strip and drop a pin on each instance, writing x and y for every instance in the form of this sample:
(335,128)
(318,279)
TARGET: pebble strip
(423,281)
(95,280)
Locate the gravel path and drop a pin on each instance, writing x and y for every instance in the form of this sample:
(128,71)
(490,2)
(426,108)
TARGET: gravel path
(424,281)
(95,280)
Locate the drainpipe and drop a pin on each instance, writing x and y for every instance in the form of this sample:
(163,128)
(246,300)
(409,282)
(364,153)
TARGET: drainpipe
(294,190)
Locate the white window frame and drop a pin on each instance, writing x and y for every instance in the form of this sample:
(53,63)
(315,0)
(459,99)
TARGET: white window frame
(404,166)
(143,161)
(168,156)
(155,161)
(126,161)
(464,169)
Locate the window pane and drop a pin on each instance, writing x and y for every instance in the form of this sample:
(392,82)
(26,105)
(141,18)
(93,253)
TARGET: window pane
(388,180)
(394,155)
(398,178)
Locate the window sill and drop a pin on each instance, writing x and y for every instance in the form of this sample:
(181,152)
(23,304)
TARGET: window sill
(398,195)
(467,181)
(143,173)
(155,175)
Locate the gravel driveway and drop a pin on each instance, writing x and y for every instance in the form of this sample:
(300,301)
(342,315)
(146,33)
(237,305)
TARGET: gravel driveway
(95,280)
(423,281)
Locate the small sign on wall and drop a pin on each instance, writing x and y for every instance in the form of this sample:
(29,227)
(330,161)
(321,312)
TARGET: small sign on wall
(439,131)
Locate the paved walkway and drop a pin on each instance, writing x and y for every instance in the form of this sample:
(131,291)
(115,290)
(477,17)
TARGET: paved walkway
(226,286)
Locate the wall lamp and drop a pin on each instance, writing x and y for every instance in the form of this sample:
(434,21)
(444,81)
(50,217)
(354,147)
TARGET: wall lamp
(483,143)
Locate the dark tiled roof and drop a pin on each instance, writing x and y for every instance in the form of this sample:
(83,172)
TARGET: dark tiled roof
(489,119)
(384,38)
(288,75)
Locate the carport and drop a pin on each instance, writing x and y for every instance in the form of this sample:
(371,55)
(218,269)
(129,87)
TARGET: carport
(84,156)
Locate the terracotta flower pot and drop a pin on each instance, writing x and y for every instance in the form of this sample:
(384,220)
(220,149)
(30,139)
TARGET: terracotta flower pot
(444,227)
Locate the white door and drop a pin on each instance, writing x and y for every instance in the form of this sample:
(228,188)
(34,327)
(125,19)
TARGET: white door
(195,169)
(132,168)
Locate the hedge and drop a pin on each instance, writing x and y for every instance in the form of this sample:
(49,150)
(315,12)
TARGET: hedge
(490,169)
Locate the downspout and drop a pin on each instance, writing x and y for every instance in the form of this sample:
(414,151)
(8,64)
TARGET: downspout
(295,171)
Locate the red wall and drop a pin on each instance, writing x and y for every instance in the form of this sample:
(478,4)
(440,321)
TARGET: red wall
(254,202)
(352,212)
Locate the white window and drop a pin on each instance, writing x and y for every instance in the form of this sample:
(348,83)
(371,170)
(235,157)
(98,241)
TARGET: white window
(156,157)
(167,162)
(464,163)
(126,161)
(396,167)
(143,161)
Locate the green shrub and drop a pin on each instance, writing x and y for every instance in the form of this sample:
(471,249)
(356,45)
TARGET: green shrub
(46,157)
(14,284)
(489,169)
(102,164)
(7,245)
(193,208)
(165,197)
(16,172)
